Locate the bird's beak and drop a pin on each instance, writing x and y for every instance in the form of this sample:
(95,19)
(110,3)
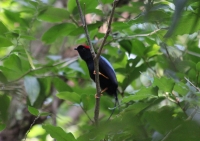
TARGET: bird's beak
(75,48)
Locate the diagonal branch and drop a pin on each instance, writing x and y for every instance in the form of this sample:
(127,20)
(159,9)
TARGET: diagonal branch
(108,29)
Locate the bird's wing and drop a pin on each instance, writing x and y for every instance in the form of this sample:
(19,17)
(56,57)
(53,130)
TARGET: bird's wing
(106,69)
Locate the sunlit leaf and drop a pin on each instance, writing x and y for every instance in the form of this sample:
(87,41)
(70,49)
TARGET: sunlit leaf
(32,88)
(58,133)
(33,110)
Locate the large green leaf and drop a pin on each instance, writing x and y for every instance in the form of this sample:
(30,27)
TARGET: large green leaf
(70,96)
(161,120)
(3,78)
(57,31)
(32,88)
(88,101)
(188,18)
(13,62)
(58,133)
(52,14)
(4,42)
(181,88)
(3,29)
(80,30)
(165,84)
(143,93)
(127,45)
(61,85)
(138,47)
(135,108)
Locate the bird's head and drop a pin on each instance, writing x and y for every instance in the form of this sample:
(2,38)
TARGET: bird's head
(84,52)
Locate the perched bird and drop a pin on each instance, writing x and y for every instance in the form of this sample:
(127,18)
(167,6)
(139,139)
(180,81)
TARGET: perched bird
(107,77)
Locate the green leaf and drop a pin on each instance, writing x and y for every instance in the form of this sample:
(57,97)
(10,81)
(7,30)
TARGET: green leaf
(61,85)
(162,119)
(33,111)
(127,45)
(3,29)
(32,88)
(181,88)
(71,5)
(152,51)
(136,108)
(5,42)
(141,94)
(138,47)
(71,96)
(88,101)
(57,31)
(58,133)
(183,132)
(27,37)
(4,106)
(120,25)
(198,66)
(52,14)
(188,18)
(165,84)
(3,78)
(80,29)
(13,63)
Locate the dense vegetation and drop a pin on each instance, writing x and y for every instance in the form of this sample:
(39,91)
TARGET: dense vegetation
(46,89)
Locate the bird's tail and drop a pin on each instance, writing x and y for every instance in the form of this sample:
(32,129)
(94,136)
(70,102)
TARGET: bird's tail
(115,106)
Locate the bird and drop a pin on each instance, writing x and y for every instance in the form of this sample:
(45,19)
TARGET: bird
(107,75)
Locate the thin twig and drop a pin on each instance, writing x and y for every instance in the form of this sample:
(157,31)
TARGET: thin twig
(86,113)
(72,18)
(170,132)
(169,56)
(108,29)
(192,84)
(148,34)
(31,126)
(192,114)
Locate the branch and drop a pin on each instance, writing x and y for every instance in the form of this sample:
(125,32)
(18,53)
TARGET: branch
(148,34)
(108,29)
(96,57)
(197,88)
(40,68)
(96,63)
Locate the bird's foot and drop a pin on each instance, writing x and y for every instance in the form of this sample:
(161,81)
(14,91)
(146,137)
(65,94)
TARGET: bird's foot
(96,96)
(101,74)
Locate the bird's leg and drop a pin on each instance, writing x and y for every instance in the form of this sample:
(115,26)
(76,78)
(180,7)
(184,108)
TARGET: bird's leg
(101,74)
(101,92)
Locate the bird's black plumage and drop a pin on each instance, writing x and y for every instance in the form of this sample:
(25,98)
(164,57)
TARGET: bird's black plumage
(108,78)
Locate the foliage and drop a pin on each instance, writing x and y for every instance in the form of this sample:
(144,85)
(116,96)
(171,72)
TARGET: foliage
(153,46)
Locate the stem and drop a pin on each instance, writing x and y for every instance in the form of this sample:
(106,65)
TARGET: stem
(96,56)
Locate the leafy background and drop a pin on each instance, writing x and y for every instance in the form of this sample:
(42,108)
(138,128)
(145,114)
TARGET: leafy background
(46,92)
